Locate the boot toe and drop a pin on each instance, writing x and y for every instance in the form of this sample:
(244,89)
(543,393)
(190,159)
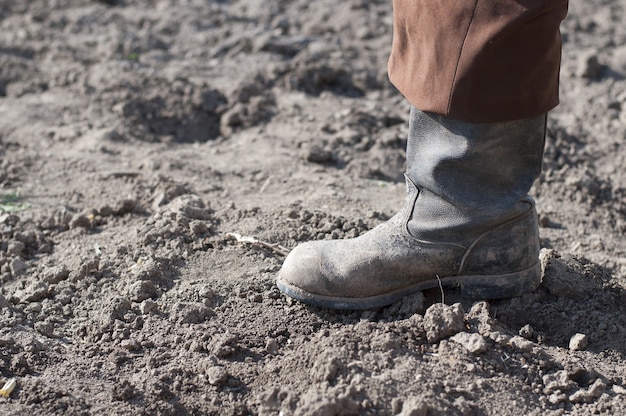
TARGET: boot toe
(301,270)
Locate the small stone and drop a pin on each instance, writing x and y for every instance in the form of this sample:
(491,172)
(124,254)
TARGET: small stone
(118,307)
(474,343)
(442,321)
(617,389)
(55,274)
(217,375)
(521,344)
(561,278)
(578,342)
(105,211)
(317,154)
(256,297)
(271,346)
(327,368)
(80,221)
(206,292)
(198,227)
(527,332)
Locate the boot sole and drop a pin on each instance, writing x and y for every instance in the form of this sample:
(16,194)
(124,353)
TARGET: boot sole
(476,287)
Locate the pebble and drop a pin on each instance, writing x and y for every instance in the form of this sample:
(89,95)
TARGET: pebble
(271,346)
(578,342)
(527,332)
(317,154)
(80,221)
(617,389)
(521,344)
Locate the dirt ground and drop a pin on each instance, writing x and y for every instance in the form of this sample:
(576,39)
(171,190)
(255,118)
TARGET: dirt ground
(168,153)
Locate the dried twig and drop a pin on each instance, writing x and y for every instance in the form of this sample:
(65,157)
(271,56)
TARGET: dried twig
(443,296)
(277,248)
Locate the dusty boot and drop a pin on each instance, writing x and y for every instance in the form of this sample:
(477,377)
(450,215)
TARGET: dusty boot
(467,222)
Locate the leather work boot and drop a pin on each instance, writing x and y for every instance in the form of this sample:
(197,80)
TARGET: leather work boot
(467,222)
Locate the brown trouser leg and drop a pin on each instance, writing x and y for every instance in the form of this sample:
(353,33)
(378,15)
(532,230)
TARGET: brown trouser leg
(478,60)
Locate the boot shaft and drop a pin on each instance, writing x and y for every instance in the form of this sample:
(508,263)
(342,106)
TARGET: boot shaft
(464,178)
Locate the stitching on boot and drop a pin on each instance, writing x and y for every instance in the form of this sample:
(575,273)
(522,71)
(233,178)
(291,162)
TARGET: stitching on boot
(409,205)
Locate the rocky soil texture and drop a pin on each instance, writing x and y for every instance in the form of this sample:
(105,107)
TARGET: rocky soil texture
(159,157)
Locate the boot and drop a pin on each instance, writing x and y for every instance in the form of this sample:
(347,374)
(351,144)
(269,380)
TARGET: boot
(467,222)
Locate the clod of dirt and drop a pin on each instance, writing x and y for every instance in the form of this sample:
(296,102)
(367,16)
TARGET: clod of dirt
(148,306)
(191,312)
(334,401)
(559,381)
(442,321)
(15,248)
(474,343)
(4,303)
(217,375)
(588,395)
(141,290)
(561,279)
(414,406)
(130,345)
(34,292)
(18,267)
(589,66)
(327,367)
(190,206)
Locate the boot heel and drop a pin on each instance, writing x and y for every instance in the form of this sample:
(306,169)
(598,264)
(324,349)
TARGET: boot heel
(502,285)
